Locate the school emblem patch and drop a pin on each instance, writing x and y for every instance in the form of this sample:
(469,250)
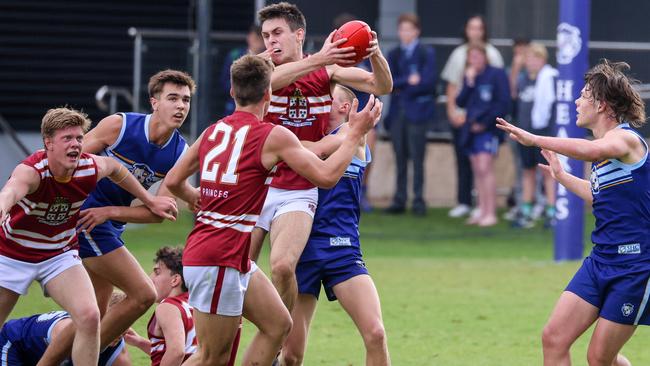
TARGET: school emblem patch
(627,309)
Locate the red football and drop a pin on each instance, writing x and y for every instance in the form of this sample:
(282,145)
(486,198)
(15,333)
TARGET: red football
(358,35)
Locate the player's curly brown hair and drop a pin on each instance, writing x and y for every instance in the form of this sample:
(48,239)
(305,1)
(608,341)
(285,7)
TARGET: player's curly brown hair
(289,12)
(59,118)
(608,83)
(172,258)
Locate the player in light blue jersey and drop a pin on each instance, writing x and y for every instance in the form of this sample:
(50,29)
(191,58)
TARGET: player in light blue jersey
(23,341)
(333,256)
(613,285)
(148,146)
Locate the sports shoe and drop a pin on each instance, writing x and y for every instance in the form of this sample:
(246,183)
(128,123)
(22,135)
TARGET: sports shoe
(459,211)
(511,214)
(523,222)
(395,209)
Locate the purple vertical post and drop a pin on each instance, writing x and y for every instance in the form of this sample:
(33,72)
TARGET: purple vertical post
(572,61)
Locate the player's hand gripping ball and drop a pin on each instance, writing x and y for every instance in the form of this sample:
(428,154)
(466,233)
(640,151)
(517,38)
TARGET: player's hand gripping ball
(359,37)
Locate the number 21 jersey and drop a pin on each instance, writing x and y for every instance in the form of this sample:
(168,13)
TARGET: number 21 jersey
(232,192)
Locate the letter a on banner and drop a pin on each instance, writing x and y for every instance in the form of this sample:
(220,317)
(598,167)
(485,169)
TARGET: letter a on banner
(572,60)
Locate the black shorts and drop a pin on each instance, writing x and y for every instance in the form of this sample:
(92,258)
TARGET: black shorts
(532,155)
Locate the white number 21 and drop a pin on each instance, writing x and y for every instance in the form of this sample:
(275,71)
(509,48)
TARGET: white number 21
(210,171)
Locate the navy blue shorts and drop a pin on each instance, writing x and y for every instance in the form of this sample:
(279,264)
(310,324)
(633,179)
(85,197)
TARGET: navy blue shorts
(484,142)
(9,351)
(620,291)
(103,239)
(329,272)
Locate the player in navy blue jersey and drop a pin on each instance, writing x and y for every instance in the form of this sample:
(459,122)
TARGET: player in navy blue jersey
(23,341)
(148,145)
(613,285)
(333,255)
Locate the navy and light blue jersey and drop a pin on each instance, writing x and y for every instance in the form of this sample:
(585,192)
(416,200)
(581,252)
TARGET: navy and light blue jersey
(24,341)
(621,205)
(336,223)
(148,162)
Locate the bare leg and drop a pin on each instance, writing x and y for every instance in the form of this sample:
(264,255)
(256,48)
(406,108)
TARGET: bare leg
(293,350)
(120,268)
(8,300)
(359,298)
(61,346)
(549,188)
(606,343)
(264,308)
(257,240)
(214,347)
(485,165)
(289,234)
(79,301)
(528,186)
(480,201)
(571,317)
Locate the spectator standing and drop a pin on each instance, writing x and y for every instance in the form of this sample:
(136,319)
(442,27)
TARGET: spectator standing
(412,106)
(486,96)
(475,31)
(535,101)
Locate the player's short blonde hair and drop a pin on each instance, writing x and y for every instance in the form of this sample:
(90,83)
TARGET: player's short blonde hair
(60,118)
(346,93)
(538,50)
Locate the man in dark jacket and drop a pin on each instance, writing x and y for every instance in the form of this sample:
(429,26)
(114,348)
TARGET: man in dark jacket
(412,107)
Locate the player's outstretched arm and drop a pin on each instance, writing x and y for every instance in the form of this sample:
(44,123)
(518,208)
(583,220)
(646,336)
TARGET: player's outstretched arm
(282,145)
(581,187)
(616,144)
(140,214)
(162,206)
(23,180)
(103,135)
(176,179)
(171,324)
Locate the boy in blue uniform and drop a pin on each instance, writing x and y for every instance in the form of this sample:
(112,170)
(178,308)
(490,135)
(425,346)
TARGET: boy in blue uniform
(612,286)
(333,255)
(148,146)
(23,341)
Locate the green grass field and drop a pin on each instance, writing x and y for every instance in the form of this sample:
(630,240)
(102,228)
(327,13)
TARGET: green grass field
(451,294)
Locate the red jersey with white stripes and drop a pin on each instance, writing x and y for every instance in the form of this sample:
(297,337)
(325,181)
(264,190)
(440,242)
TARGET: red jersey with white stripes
(304,108)
(158,340)
(232,192)
(42,224)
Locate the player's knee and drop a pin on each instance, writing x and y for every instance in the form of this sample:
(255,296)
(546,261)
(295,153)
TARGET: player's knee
(375,337)
(596,358)
(292,357)
(144,298)
(87,320)
(282,270)
(552,339)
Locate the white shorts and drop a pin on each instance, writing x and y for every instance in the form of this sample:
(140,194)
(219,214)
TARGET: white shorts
(217,290)
(17,275)
(279,201)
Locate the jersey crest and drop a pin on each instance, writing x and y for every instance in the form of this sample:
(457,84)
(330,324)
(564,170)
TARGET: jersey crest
(57,212)
(298,111)
(143,174)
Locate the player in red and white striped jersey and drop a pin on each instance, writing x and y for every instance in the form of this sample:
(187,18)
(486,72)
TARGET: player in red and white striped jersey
(235,156)
(171,328)
(301,101)
(39,209)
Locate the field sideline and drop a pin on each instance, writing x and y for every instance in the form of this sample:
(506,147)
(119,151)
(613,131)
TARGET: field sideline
(451,294)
